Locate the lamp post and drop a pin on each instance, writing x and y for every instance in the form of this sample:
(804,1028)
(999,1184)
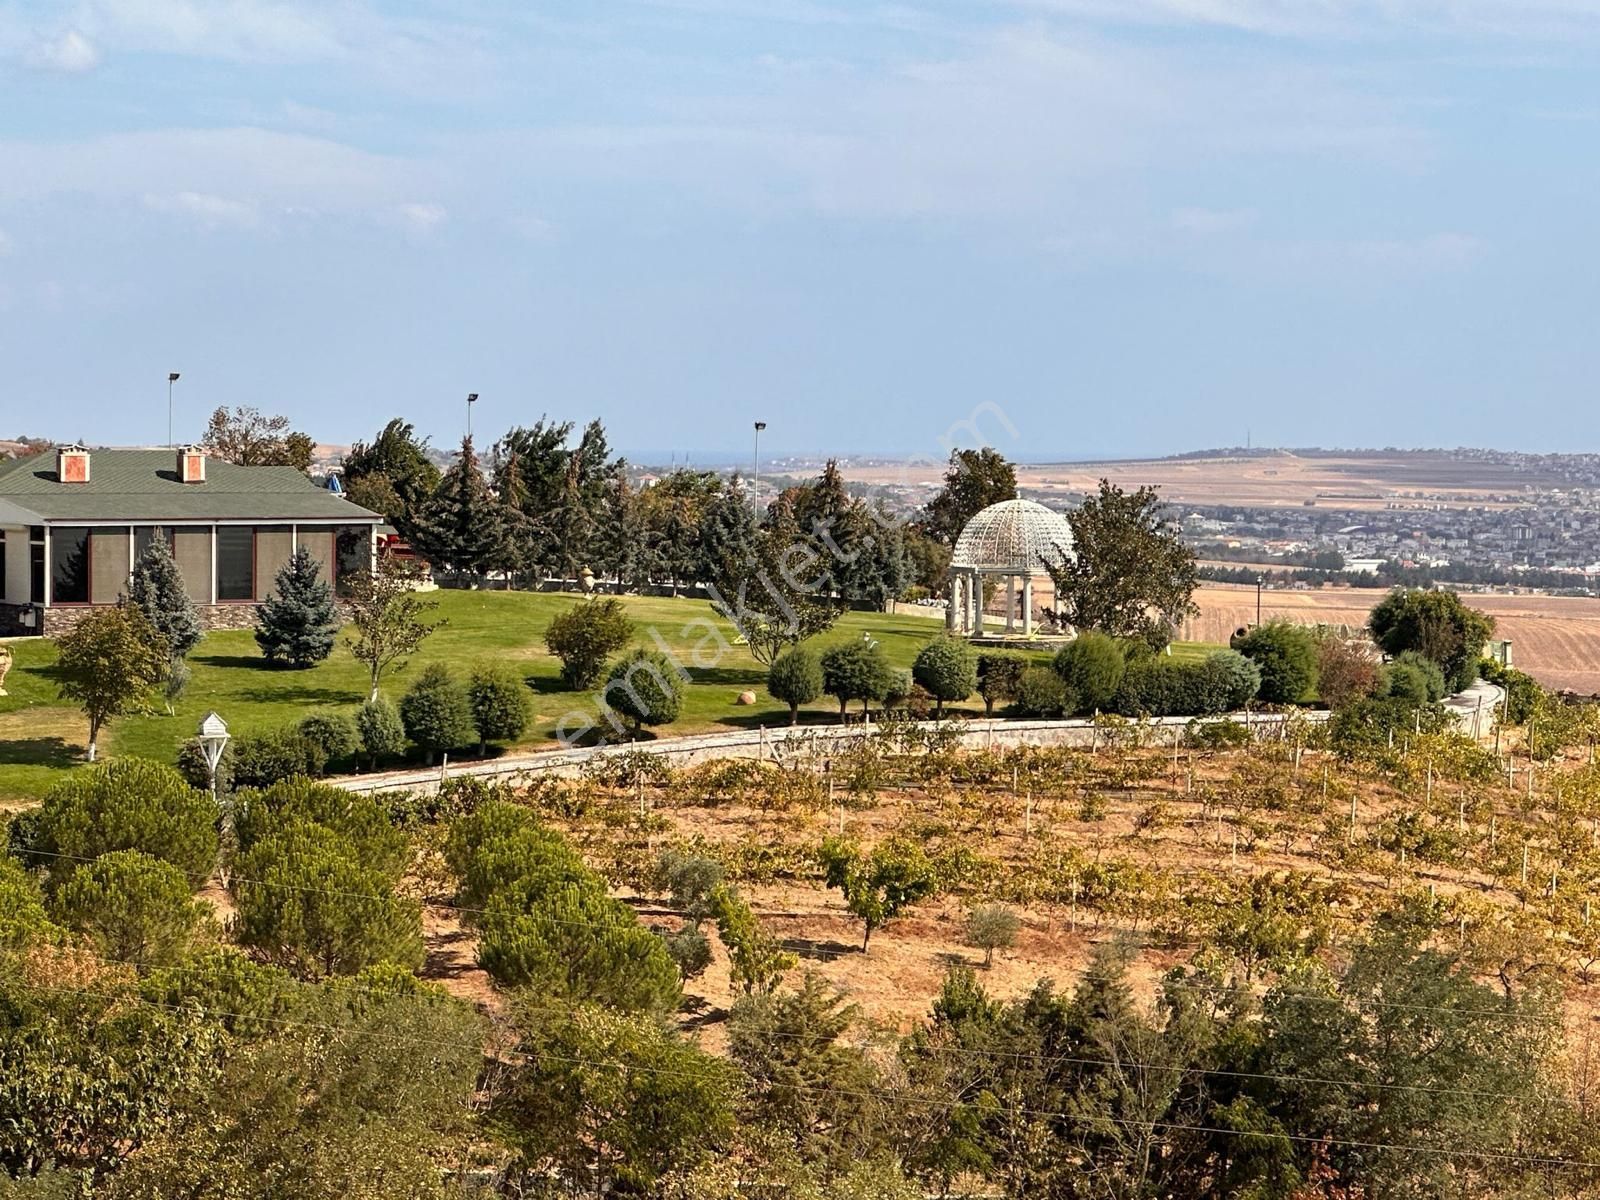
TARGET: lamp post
(472,398)
(213,741)
(1260,579)
(172,378)
(755,473)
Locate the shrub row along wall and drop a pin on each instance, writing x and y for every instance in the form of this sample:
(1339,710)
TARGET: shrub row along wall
(817,742)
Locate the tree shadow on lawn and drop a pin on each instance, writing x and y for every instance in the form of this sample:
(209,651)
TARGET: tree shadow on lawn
(740,677)
(780,720)
(301,695)
(39,752)
(228,662)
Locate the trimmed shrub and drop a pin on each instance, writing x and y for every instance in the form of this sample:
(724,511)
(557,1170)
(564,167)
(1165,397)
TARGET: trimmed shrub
(795,678)
(1092,666)
(585,636)
(1432,677)
(383,735)
(333,734)
(645,687)
(1287,656)
(991,927)
(856,670)
(437,713)
(999,677)
(947,669)
(502,707)
(498,843)
(133,908)
(263,759)
(127,804)
(1041,693)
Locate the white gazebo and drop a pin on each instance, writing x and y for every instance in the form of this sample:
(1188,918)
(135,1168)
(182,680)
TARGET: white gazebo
(1013,541)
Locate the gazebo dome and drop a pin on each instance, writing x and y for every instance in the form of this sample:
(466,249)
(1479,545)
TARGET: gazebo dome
(1014,537)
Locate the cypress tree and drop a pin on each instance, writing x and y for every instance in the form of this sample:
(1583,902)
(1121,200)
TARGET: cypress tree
(296,623)
(462,527)
(157,590)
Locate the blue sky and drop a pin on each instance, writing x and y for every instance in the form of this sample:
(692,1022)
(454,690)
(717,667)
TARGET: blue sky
(1134,226)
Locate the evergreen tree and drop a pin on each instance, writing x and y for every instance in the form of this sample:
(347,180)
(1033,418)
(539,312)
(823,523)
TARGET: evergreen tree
(728,542)
(461,526)
(296,624)
(621,550)
(393,471)
(976,479)
(158,591)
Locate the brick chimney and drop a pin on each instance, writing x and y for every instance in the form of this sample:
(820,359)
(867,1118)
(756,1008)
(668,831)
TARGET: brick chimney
(72,464)
(192,464)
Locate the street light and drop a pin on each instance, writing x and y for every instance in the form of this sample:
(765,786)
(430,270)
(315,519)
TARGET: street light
(472,398)
(213,741)
(1260,579)
(172,378)
(755,473)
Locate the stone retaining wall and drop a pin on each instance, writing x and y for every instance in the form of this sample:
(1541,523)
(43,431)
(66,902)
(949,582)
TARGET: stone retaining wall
(807,741)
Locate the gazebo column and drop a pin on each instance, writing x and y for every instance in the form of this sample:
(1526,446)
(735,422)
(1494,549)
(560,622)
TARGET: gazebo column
(952,614)
(974,603)
(1011,604)
(1027,606)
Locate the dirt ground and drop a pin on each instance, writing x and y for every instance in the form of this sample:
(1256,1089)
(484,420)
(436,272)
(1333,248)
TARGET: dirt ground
(1554,638)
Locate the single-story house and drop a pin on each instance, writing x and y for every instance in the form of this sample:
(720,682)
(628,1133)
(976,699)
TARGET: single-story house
(73,523)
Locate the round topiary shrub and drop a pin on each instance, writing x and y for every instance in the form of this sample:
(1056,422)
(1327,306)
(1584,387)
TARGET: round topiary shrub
(947,669)
(383,735)
(502,707)
(856,670)
(333,734)
(796,679)
(437,713)
(645,687)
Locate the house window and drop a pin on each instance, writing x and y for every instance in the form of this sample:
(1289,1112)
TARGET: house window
(36,564)
(69,564)
(236,562)
(143,535)
(353,556)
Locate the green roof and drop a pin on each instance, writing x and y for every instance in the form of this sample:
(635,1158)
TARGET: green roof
(143,485)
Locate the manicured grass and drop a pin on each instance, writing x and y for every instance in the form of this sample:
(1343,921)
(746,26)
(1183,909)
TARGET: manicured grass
(40,736)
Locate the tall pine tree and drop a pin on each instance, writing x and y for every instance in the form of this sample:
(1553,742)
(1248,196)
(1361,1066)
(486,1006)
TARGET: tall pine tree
(296,624)
(158,591)
(462,527)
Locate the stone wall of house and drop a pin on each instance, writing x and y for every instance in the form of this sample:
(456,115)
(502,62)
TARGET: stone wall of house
(58,621)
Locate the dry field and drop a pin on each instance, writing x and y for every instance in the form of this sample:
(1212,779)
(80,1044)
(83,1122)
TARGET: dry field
(1281,479)
(1554,638)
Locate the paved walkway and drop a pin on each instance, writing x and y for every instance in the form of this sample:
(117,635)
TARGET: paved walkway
(1474,709)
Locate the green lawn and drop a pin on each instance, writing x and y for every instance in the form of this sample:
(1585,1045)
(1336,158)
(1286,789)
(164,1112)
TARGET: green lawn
(40,737)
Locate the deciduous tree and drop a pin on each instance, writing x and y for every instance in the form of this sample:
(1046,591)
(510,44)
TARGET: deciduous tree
(109,663)
(388,618)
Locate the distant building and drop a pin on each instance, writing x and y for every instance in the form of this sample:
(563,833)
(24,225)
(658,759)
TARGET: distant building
(72,524)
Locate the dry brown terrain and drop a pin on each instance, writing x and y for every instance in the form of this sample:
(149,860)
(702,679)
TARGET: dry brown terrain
(1282,479)
(1554,638)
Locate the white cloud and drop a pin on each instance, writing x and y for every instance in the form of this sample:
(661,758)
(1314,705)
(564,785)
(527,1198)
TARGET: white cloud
(420,218)
(71,52)
(1209,221)
(210,212)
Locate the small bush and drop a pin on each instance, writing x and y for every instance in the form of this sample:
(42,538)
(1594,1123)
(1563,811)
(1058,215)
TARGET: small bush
(333,734)
(948,669)
(796,679)
(585,636)
(1427,673)
(1092,666)
(437,712)
(1042,693)
(383,735)
(1217,735)
(1346,670)
(502,707)
(645,687)
(1237,676)
(999,677)
(263,759)
(1287,656)
(690,950)
(856,670)
(991,927)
